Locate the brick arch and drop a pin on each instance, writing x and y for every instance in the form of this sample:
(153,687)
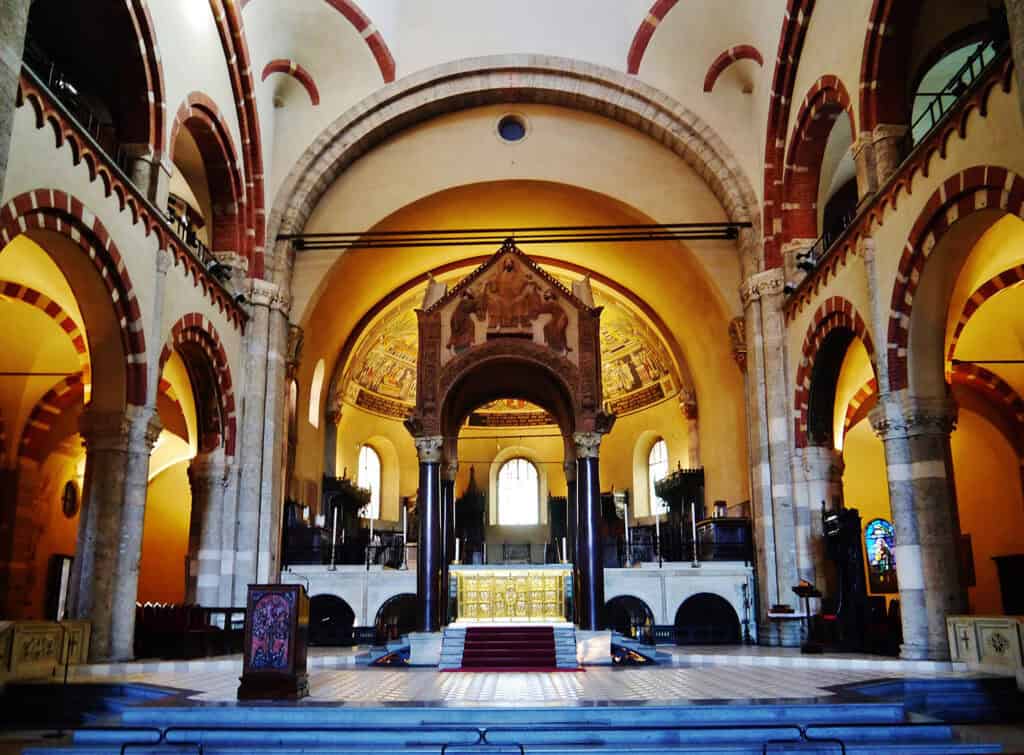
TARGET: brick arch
(826,100)
(645,31)
(726,59)
(57,211)
(196,330)
(203,119)
(857,408)
(791,43)
(997,392)
(883,62)
(298,72)
(153,66)
(64,395)
(56,313)
(979,296)
(982,187)
(835,313)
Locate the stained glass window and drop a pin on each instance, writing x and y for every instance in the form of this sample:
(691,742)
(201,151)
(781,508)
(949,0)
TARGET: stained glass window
(879,545)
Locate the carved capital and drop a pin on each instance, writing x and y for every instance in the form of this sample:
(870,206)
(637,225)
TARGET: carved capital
(902,416)
(164,260)
(450,470)
(766,283)
(208,469)
(136,429)
(265,294)
(429,448)
(588,445)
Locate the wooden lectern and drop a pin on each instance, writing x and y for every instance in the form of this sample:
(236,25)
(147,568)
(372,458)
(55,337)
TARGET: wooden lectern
(274,650)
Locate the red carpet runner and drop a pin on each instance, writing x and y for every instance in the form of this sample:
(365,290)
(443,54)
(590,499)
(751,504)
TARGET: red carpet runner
(509,648)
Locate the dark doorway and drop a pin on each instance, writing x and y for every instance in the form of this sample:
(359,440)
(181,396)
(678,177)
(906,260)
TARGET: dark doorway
(396,617)
(707,619)
(330,621)
(631,617)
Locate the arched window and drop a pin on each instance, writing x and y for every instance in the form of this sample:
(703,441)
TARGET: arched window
(315,388)
(518,493)
(657,468)
(879,543)
(369,478)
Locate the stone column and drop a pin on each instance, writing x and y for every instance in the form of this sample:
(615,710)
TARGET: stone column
(922,498)
(12,44)
(863,151)
(770,442)
(428,554)
(149,172)
(228,533)
(590,592)
(689,409)
(106,577)
(451,470)
(206,478)
(332,418)
(818,474)
(260,447)
(1015,16)
(572,523)
(887,145)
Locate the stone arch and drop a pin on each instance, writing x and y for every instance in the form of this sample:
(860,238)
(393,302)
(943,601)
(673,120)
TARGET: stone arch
(398,611)
(988,189)
(203,119)
(50,211)
(298,72)
(726,58)
(519,78)
(330,620)
(625,612)
(999,394)
(707,618)
(153,65)
(197,340)
(43,302)
(826,100)
(835,317)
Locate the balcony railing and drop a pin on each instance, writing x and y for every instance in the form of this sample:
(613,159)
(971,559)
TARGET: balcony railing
(809,260)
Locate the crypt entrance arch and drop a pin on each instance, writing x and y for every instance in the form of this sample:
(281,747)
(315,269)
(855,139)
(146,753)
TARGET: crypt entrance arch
(508,330)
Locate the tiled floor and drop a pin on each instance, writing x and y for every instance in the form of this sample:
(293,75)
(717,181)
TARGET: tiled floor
(595,684)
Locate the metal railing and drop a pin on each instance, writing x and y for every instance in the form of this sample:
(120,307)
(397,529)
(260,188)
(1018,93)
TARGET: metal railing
(810,259)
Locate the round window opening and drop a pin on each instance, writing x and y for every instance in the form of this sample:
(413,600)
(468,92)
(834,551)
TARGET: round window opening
(512,128)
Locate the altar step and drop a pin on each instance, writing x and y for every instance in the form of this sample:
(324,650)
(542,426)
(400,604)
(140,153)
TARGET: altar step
(508,648)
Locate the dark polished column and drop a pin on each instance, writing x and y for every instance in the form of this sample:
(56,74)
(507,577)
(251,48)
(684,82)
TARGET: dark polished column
(447,532)
(590,594)
(572,526)
(428,555)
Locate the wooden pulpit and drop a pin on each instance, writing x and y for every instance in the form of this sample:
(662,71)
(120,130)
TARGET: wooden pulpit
(274,649)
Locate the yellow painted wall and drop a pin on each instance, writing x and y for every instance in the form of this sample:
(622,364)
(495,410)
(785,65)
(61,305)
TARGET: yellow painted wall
(988,489)
(165,537)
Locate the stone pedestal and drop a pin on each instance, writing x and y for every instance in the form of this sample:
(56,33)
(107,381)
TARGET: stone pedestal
(921,495)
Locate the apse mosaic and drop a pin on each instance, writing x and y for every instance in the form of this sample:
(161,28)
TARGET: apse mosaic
(637,369)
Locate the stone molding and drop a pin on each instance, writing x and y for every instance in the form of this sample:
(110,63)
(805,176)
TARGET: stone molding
(901,416)
(265,294)
(759,285)
(588,445)
(208,468)
(481,81)
(429,448)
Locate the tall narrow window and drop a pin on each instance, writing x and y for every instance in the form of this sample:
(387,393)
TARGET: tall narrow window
(369,478)
(657,468)
(518,493)
(315,388)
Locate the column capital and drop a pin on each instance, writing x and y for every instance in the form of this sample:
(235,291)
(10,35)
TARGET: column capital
(588,445)
(135,429)
(450,470)
(429,448)
(765,283)
(164,260)
(898,415)
(266,294)
(211,466)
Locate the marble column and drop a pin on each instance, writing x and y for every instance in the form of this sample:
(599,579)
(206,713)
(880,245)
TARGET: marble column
(1015,16)
(206,476)
(572,524)
(915,433)
(863,151)
(428,555)
(887,145)
(770,443)
(590,592)
(118,445)
(451,470)
(12,44)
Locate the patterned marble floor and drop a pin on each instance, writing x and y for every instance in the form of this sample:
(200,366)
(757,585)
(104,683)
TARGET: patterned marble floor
(593,685)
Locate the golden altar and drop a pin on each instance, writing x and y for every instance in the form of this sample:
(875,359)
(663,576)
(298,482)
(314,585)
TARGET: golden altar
(508,593)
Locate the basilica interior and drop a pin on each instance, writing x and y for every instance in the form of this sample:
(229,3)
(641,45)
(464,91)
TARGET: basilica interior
(666,325)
